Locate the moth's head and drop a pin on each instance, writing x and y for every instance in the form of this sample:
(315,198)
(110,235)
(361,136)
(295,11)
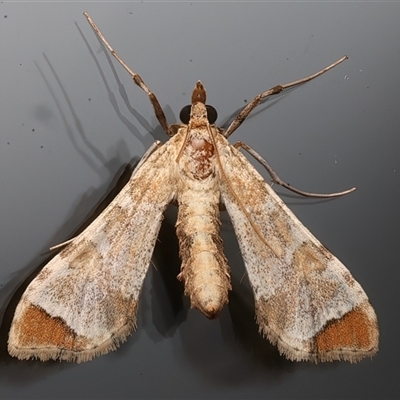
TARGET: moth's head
(198,110)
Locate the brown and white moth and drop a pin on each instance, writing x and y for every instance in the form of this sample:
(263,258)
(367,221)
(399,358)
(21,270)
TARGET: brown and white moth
(84,301)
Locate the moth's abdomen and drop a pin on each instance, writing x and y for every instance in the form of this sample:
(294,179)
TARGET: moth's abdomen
(204,268)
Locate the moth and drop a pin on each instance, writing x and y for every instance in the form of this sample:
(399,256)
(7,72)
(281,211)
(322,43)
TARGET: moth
(84,301)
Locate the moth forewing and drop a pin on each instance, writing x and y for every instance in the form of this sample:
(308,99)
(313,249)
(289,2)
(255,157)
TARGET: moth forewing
(84,301)
(307,302)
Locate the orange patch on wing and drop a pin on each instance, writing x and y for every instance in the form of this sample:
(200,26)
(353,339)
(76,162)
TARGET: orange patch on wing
(36,329)
(352,331)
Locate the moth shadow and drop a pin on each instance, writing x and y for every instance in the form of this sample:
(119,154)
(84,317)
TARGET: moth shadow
(166,291)
(23,372)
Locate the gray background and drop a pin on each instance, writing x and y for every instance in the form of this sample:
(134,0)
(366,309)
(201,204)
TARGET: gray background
(67,131)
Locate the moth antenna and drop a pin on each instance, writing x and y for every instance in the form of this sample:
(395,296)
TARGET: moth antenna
(136,78)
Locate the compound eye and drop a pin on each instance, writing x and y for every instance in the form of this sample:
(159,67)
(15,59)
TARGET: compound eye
(212,114)
(184,115)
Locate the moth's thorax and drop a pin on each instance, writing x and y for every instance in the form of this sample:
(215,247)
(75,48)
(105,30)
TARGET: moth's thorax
(198,156)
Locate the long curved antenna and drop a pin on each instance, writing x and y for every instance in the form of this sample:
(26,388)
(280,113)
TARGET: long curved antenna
(270,92)
(136,78)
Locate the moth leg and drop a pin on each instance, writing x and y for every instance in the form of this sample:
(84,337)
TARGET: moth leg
(275,90)
(136,78)
(276,179)
(144,158)
(63,244)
